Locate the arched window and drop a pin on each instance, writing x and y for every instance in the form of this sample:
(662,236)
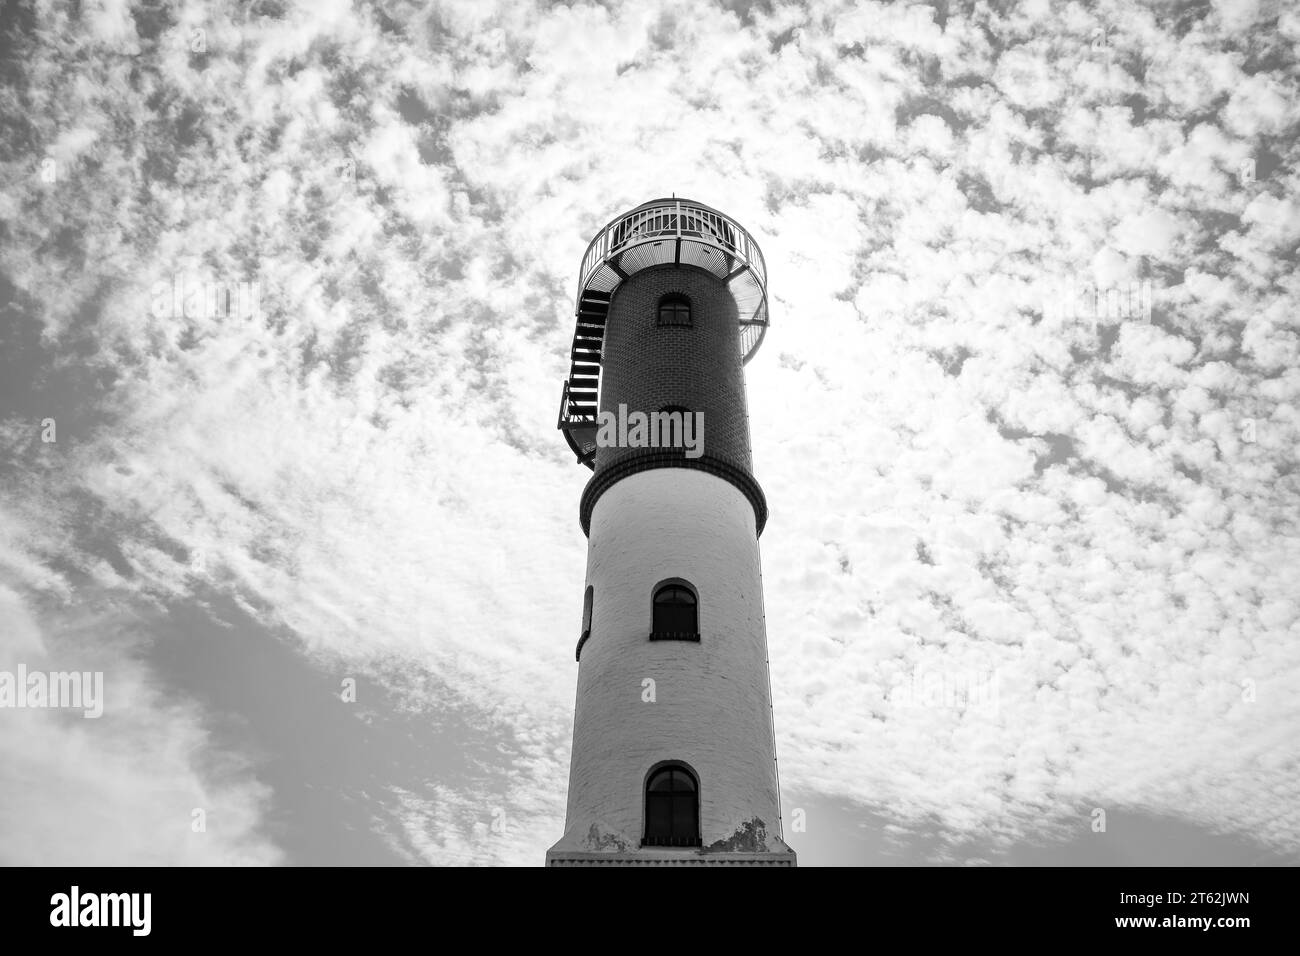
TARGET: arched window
(672,808)
(587,600)
(674,309)
(676,613)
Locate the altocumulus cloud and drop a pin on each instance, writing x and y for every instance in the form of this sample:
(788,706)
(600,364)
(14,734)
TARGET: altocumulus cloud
(966,477)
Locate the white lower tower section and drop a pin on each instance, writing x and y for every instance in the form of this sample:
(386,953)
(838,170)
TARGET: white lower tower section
(711,708)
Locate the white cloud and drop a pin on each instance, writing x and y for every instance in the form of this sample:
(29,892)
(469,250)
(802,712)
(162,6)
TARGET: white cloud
(123,786)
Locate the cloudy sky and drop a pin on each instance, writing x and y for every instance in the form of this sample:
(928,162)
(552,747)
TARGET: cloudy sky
(976,475)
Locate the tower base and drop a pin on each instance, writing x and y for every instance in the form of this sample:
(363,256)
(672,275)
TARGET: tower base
(662,856)
(602,846)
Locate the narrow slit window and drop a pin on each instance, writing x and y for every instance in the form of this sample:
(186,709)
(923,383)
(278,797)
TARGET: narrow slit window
(587,600)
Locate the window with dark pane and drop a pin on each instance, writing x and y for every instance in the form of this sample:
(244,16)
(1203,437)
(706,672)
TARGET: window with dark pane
(674,310)
(587,600)
(676,614)
(672,808)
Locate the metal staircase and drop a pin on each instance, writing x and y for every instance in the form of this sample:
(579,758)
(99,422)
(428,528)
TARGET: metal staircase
(578,401)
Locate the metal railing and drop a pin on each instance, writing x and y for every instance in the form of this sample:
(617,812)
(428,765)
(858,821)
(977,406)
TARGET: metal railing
(677,219)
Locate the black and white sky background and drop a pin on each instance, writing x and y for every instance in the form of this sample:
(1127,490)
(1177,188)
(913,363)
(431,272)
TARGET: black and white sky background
(365,481)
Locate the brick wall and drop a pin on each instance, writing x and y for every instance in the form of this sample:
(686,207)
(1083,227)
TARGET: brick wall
(646,366)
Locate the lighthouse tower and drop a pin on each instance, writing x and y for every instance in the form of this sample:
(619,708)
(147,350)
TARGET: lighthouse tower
(674,758)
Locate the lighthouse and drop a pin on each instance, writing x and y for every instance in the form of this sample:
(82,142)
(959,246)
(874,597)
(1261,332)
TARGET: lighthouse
(674,752)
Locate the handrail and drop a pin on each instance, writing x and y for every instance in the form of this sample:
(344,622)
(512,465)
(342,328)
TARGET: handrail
(677,218)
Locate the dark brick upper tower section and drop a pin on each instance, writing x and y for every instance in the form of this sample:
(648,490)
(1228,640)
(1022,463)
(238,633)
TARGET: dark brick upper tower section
(624,355)
(648,367)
